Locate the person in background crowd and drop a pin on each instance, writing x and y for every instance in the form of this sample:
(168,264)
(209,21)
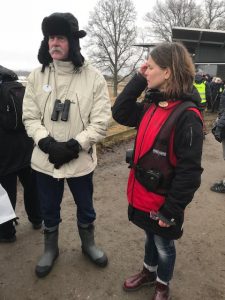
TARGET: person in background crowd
(166,161)
(15,157)
(208,80)
(217,87)
(66,111)
(203,88)
(219,134)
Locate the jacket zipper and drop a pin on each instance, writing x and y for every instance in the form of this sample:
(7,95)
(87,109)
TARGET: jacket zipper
(16,116)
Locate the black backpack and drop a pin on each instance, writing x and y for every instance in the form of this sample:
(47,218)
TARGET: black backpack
(11,101)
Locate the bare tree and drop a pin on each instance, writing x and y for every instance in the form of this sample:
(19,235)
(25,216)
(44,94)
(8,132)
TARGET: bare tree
(112,33)
(171,13)
(185,13)
(214,14)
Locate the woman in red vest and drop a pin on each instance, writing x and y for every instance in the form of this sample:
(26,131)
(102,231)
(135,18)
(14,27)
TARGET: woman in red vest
(166,161)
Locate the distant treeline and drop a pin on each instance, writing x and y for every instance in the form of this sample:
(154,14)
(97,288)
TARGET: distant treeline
(26,73)
(22,73)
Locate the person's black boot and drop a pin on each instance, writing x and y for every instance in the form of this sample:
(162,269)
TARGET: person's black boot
(36,226)
(7,232)
(6,239)
(51,252)
(88,246)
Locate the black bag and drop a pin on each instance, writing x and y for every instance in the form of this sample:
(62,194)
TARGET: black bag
(150,179)
(218,128)
(11,102)
(7,75)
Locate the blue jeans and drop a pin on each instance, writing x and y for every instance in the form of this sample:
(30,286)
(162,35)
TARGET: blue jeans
(50,192)
(160,252)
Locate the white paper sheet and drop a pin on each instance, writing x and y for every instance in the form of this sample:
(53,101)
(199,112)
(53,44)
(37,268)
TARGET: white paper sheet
(6,210)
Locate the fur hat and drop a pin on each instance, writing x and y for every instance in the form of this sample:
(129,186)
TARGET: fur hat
(61,24)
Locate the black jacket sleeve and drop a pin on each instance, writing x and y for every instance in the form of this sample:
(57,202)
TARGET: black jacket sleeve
(222,104)
(221,122)
(218,129)
(208,93)
(126,110)
(188,142)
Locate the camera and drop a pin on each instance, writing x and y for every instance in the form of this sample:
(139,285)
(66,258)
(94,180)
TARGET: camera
(60,107)
(129,156)
(150,179)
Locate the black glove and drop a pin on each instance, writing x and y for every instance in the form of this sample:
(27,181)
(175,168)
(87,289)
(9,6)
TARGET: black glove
(60,154)
(45,143)
(75,146)
(63,152)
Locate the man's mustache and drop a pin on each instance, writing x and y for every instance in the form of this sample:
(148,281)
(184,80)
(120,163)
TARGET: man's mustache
(56,49)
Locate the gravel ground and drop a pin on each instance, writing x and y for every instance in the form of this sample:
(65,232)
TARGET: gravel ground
(200,267)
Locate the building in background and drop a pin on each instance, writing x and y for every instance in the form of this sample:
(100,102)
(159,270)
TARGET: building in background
(206,46)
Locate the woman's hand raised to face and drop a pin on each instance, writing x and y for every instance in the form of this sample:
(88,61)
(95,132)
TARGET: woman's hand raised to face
(143,69)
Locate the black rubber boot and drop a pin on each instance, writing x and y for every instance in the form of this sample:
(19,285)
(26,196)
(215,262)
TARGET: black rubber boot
(88,245)
(51,252)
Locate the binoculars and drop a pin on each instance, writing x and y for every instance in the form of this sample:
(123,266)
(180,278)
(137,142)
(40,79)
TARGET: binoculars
(61,107)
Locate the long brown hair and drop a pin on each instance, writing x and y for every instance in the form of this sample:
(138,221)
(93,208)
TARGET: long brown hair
(175,57)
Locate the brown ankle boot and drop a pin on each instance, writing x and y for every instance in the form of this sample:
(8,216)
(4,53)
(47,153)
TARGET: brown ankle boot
(162,292)
(145,277)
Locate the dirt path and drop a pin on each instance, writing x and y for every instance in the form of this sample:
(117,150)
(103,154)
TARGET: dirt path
(200,268)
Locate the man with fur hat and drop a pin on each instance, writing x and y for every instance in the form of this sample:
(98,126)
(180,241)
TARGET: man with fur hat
(66,111)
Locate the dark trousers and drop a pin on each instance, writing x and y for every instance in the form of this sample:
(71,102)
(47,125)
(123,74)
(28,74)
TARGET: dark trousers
(50,191)
(27,178)
(202,110)
(216,103)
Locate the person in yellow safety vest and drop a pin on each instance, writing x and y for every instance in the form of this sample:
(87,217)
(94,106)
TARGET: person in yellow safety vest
(204,91)
(201,87)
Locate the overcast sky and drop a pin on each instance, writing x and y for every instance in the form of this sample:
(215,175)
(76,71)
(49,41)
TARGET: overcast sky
(20,26)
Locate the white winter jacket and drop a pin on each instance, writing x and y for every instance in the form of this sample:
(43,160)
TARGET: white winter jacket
(88,119)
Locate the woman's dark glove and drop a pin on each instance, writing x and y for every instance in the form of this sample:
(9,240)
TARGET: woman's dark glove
(45,143)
